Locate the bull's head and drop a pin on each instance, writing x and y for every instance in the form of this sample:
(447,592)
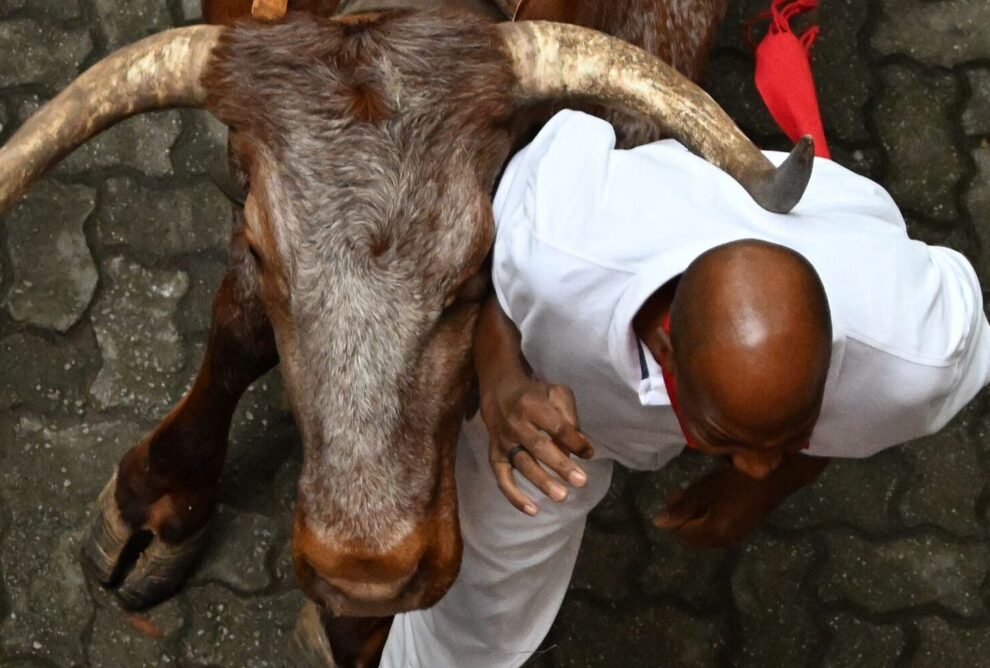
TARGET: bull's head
(369,148)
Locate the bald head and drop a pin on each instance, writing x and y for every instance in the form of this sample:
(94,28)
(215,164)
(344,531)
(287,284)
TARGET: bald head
(751,337)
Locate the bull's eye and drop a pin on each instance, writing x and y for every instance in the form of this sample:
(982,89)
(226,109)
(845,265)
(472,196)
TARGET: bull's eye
(255,254)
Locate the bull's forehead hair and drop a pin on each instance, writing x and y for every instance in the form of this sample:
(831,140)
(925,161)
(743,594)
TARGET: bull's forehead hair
(379,145)
(423,81)
(382,134)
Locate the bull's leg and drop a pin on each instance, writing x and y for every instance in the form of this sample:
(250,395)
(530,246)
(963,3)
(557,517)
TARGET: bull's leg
(152,515)
(321,640)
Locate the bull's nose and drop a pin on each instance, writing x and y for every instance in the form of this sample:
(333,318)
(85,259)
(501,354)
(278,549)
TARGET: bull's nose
(353,578)
(365,595)
(363,590)
(348,576)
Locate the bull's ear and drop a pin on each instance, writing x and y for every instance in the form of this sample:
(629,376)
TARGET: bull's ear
(563,11)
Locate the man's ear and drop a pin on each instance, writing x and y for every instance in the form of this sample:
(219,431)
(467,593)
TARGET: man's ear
(564,11)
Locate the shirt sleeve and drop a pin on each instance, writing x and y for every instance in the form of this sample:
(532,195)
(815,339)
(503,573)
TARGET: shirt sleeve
(544,194)
(925,359)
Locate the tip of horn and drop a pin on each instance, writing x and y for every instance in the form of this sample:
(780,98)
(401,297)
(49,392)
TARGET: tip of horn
(786,185)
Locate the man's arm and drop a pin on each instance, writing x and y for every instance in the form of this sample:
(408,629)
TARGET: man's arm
(721,508)
(521,411)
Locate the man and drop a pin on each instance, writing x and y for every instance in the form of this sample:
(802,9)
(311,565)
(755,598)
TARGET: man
(675,309)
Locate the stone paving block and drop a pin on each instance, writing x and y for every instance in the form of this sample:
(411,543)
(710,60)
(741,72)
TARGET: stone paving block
(737,14)
(62,464)
(142,143)
(135,327)
(124,23)
(692,575)
(60,468)
(192,10)
(977,202)
(39,52)
(203,145)
(161,223)
(120,638)
(196,310)
(946,485)
(914,117)
(938,33)
(607,563)
(282,567)
(976,115)
(239,548)
(778,619)
(653,488)
(865,161)
(671,569)
(859,492)
(54,273)
(861,644)
(41,376)
(904,573)
(729,79)
(943,644)
(842,75)
(587,636)
(60,10)
(262,478)
(265,454)
(245,632)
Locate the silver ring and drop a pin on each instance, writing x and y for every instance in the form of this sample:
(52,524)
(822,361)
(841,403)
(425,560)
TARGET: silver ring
(512,454)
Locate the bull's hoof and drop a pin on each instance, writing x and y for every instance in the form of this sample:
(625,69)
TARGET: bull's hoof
(137,564)
(309,646)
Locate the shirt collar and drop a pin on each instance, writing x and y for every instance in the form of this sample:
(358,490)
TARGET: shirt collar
(623,343)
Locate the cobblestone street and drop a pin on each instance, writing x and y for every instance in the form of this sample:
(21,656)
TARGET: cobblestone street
(108,269)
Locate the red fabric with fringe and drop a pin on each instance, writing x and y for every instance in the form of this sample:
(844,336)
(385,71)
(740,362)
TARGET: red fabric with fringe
(783,73)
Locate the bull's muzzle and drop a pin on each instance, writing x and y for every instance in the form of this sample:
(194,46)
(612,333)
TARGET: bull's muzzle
(351,580)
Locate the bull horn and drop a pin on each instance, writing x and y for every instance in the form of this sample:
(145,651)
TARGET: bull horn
(554,61)
(158,72)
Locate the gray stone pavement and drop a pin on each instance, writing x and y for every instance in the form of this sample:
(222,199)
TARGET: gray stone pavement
(106,276)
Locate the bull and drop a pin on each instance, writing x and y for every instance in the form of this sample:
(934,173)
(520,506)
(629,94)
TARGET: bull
(367,141)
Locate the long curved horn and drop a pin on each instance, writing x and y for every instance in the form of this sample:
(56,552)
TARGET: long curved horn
(160,71)
(555,61)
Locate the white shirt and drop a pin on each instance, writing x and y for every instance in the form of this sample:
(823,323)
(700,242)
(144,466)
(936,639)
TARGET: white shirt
(587,233)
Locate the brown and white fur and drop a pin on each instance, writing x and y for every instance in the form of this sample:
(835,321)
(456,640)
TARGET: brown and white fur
(370,146)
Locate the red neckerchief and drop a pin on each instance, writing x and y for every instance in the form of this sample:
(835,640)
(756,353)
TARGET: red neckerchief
(668,380)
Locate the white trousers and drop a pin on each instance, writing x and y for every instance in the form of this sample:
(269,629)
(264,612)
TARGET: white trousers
(514,574)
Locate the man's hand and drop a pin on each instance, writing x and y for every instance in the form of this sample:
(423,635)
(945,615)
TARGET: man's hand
(542,419)
(721,508)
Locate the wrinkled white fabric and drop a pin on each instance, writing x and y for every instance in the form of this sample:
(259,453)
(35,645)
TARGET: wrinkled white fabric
(586,234)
